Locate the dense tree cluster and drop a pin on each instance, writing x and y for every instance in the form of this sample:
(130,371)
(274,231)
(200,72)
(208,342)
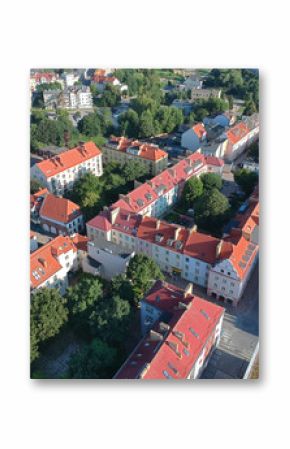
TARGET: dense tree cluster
(203,108)
(91,193)
(96,123)
(142,271)
(240,83)
(48,313)
(211,207)
(146,118)
(46,131)
(246,179)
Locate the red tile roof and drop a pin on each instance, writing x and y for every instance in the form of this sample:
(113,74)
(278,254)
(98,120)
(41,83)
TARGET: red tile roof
(237,132)
(149,232)
(147,151)
(37,198)
(191,330)
(80,242)
(44,263)
(68,159)
(101,222)
(199,130)
(243,255)
(59,209)
(204,247)
(212,160)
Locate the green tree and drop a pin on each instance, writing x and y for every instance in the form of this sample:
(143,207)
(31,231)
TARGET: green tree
(110,97)
(48,313)
(211,181)
(146,124)
(192,190)
(35,186)
(86,191)
(120,284)
(134,170)
(97,360)
(129,123)
(90,124)
(211,210)
(142,271)
(246,179)
(49,86)
(82,299)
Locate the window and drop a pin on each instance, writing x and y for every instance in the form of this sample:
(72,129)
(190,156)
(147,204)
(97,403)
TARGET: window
(222,271)
(224,281)
(232,284)
(223,288)
(186,274)
(229,273)
(216,278)
(186,267)
(215,285)
(231,291)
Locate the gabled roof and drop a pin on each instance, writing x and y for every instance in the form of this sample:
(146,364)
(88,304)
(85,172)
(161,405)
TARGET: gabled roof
(44,263)
(68,159)
(146,150)
(162,234)
(59,209)
(212,160)
(237,132)
(173,356)
(205,247)
(101,222)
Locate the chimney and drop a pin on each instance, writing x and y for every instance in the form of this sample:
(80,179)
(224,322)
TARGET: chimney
(163,327)
(157,224)
(43,262)
(193,229)
(176,233)
(174,347)
(144,370)
(219,248)
(155,336)
(188,290)
(182,305)
(113,214)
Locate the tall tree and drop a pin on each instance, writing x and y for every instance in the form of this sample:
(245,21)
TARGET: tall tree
(142,271)
(48,313)
(96,361)
(246,179)
(211,181)
(211,210)
(192,190)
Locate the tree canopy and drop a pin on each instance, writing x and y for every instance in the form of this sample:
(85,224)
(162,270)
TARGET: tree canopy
(192,190)
(48,313)
(246,179)
(96,360)
(35,186)
(211,210)
(142,271)
(211,181)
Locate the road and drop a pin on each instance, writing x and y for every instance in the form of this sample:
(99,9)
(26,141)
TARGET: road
(240,333)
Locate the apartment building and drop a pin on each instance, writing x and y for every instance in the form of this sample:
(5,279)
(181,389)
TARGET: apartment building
(50,264)
(122,150)
(59,173)
(240,136)
(70,98)
(181,332)
(60,216)
(181,252)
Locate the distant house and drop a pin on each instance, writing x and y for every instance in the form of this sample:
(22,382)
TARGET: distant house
(192,138)
(101,79)
(122,150)
(70,98)
(38,78)
(225,120)
(205,94)
(60,216)
(193,82)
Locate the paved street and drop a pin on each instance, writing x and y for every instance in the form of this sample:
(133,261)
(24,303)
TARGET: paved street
(239,335)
